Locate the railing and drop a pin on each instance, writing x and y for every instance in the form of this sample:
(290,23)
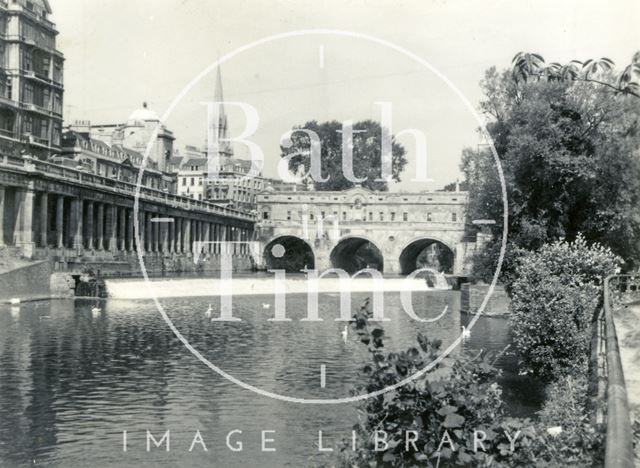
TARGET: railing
(619,435)
(125,188)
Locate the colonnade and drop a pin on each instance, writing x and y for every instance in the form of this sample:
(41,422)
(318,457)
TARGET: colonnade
(32,219)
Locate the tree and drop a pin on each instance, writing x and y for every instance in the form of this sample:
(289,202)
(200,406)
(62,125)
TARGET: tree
(570,154)
(367,139)
(526,65)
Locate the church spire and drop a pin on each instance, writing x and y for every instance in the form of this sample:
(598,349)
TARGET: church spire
(223,131)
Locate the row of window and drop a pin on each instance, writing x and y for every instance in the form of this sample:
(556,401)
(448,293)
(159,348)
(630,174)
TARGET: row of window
(37,34)
(39,128)
(192,181)
(240,181)
(42,97)
(381,216)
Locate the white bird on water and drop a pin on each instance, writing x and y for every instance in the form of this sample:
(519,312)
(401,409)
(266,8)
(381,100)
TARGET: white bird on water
(95,309)
(466,334)
(345,333)
(266,306)
(209,311)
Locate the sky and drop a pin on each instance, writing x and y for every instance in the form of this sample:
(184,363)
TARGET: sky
(120,53)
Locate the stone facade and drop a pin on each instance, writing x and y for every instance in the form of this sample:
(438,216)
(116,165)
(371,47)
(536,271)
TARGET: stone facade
(31,75)
(400,225)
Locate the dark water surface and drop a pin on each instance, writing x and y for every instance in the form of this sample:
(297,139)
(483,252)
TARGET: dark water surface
(71,381)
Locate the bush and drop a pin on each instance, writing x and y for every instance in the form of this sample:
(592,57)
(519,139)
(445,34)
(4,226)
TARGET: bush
(458,396)
(554,296)
(576,443)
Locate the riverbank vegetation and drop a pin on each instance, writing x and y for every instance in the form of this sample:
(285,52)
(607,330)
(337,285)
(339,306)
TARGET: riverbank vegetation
(569,148)
(570,155)
(452,413)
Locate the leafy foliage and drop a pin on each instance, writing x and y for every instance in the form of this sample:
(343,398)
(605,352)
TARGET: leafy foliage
(460,396)
(576,442)
(570,155)
(366,154)
(554,296)
(527,65)
(457,396)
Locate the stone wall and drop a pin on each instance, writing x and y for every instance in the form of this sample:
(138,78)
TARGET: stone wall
(62,285)
(26,282)
(472,295)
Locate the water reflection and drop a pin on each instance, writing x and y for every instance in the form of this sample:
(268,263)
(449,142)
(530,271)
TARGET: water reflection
(71,380)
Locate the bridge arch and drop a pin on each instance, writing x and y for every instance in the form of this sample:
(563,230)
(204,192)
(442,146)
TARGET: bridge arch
(427,252)
(289,253)
(353,253)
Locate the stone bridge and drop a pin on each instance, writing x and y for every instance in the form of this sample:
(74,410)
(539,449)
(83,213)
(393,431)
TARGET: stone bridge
(331,229)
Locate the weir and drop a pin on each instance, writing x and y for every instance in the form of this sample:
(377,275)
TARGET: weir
(211,287)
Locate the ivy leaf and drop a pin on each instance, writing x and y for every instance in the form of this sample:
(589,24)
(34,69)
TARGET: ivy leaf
(420,456)
(388,457)
(453,420)
(446,410)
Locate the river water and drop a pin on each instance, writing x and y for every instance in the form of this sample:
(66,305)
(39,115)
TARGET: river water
(72,380)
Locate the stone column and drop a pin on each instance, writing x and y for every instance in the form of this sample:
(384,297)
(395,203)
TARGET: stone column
(112,226)
(148,233)
(76,223)
(208,230)
(187,235)
(90,235)
(198,236)
(60,222)
(44,220)
(214,237)
(178,237)
(234,238)
(156,235)
(164,237)
(122,241)
(24,222)
(131,243)
(142,230)
(171,233)
(2,195)
(218,238)
(195,226)
(204,237)
(224,248)
(100,227)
